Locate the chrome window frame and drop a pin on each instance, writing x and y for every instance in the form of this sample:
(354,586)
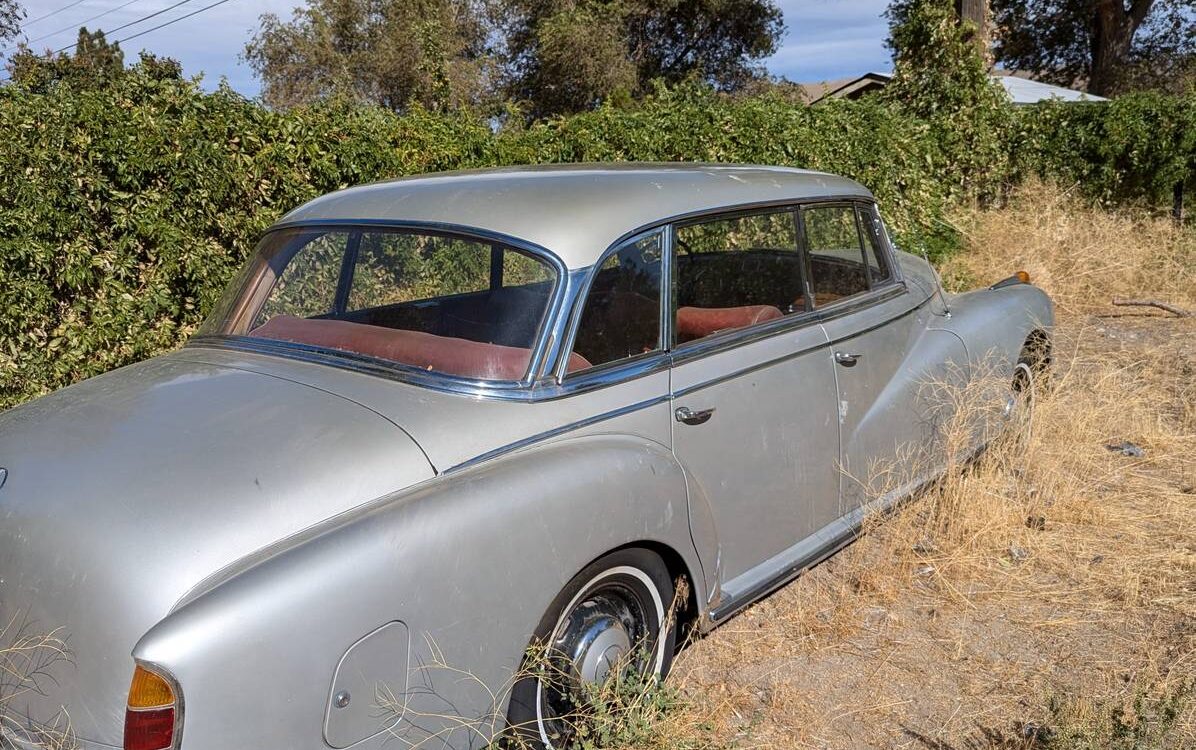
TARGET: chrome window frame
(545,379)
(556,385)
(885,251)
(634,366)
(518,389)
(792,208)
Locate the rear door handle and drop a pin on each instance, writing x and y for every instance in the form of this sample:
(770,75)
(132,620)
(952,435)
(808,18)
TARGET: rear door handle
(847,359)
(687,415)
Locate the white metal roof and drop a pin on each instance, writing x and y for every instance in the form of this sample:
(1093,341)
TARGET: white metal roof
(1026,91)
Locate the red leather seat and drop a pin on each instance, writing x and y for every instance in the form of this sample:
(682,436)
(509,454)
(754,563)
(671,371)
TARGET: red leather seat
(696,322)
(453,356)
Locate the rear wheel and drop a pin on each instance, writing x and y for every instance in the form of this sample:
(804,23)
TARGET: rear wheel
(614,615)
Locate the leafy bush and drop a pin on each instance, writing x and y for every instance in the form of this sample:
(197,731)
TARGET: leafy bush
(125,208)
(1136,147)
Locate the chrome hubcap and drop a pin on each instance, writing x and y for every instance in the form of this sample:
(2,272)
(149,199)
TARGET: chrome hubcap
(607,630)
(598,635)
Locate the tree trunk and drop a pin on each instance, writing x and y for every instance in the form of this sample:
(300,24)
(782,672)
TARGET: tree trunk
(976,11)
(1113,29)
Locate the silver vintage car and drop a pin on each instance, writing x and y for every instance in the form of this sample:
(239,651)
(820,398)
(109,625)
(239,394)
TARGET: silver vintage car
(441,421)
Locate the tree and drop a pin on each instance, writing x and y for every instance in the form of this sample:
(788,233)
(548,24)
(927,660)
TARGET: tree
(387,52)
(567,55)
(11,15)
(94,61)
(1109,46)
(940,78)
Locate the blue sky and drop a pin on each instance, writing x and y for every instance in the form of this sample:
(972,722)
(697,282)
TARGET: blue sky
(825,39)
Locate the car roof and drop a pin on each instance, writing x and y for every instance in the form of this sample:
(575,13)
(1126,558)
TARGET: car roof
(576,211)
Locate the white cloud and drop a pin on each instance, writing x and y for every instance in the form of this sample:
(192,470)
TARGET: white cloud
(828,39)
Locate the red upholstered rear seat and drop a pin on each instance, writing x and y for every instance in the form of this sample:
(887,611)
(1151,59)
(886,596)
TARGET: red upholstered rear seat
(696,322)
(453,356)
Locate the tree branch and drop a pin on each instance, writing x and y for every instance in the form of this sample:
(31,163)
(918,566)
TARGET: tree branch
(1173,309)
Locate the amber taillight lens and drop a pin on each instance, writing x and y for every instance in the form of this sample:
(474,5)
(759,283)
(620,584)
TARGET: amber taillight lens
(151,714)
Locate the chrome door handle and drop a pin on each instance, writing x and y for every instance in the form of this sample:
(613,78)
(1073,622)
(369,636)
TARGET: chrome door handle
(689,416)
(847,359)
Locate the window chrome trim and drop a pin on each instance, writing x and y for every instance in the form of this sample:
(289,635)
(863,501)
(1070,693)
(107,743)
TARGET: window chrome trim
(503,389)
(545,381)
(582,296)
(625,370)
(888,251)
(735,208)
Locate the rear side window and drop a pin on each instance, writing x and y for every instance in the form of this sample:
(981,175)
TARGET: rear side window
(735,272)
(621,317)
(836,253)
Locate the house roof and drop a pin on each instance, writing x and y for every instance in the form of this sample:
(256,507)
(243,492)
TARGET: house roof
(1021,89)
(575,211)
(1028,91)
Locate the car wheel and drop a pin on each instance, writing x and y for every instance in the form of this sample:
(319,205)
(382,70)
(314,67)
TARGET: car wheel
(615,614)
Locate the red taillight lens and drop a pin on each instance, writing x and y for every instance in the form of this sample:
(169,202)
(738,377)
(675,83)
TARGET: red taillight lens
(150,717)
(149,730)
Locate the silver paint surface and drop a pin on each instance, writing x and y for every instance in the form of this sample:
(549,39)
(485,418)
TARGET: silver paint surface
(576,211)
(242,519)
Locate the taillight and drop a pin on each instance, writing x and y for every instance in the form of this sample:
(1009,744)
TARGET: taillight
(152,712)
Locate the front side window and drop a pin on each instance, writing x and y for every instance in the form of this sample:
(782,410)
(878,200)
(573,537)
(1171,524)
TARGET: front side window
(437,302)
(836,253)
(734,272)
(621,316)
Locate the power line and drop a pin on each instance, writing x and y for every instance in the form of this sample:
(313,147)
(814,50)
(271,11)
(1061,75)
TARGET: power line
(173,21)
(155,28)
(84,22)
(130,23)
(68,6)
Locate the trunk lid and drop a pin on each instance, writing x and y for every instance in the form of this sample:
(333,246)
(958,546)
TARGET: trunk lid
(128,490)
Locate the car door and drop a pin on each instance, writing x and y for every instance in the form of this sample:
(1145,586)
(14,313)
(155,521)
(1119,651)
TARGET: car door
(753,393)
(887,360)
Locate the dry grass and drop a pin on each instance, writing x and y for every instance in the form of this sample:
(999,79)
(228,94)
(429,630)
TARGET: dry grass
(1044,596)
(27,660)
(1083,256)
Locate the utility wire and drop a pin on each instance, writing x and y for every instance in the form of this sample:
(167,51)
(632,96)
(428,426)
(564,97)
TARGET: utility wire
(155,28)
(130,23)
(68,6)
(172,21)
(84,22)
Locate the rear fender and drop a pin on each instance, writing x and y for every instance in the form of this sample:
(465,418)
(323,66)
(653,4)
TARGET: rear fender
(469,562)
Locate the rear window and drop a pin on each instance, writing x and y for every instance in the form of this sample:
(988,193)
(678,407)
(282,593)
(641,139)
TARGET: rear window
(441,303)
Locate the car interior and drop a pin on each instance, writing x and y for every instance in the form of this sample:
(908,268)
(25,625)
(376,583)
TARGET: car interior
(488,334)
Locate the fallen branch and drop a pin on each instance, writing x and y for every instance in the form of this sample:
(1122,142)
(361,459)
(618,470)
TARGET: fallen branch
(1178,311)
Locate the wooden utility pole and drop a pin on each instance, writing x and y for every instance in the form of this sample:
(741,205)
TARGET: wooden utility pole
(976,11)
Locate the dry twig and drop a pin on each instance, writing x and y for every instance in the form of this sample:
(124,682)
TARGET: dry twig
(1173,309)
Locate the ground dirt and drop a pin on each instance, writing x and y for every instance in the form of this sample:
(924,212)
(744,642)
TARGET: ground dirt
(1045,598)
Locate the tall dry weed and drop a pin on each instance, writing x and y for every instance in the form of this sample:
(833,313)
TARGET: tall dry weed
(1084,255)
(28,660)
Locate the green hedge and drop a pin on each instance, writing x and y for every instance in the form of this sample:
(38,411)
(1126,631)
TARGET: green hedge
(1134,148)
(124,210)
